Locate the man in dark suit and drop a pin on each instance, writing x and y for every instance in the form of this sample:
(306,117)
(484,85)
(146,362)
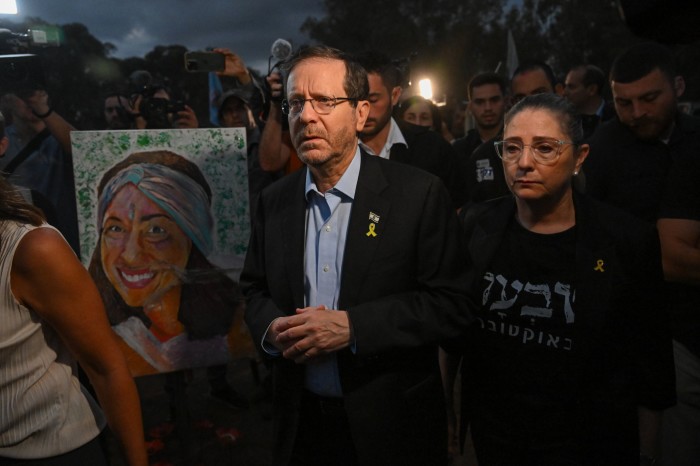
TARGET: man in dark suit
(583,87)
(353,276)
(400,141)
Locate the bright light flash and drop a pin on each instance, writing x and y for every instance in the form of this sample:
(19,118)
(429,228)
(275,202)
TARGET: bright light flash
(425,88)
(8,7)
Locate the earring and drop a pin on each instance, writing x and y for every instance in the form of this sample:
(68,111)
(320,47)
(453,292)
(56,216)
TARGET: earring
(576,173)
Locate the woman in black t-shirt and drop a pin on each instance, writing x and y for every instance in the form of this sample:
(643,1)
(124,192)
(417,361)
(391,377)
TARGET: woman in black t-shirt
(571,358)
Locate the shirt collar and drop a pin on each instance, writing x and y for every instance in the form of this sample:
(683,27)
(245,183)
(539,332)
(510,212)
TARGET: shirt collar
(394,137)
(666,137)
(601,108)
(346,185)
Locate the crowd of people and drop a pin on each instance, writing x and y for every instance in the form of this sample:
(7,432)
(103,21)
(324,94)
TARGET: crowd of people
(547,257)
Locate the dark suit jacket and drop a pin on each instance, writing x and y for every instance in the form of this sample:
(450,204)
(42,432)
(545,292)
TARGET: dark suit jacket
(591,122)
(429,151)
(624,354)
(404,291)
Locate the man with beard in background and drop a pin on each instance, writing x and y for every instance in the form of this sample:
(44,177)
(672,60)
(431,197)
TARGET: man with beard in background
(403,142)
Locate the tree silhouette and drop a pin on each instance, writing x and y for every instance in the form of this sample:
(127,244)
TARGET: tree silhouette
(451,40)
(457,39)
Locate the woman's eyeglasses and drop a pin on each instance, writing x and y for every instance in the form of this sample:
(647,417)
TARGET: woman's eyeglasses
(545,151)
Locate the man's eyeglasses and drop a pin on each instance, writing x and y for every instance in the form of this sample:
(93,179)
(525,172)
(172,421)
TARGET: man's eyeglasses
(545,151)
(321,105)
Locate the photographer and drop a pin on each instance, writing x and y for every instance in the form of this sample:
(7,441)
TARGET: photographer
(39,155)
(153,107)
(117,112)
(275,144)
(249,85)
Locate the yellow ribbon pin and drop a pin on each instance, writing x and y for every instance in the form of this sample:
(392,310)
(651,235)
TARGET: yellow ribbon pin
(599,266)
(371,232)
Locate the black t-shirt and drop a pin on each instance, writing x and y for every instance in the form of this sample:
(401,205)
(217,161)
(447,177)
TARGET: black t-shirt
(527,383)
(631,174)
(570,337)
(484,174)
(682,201)
(465,172)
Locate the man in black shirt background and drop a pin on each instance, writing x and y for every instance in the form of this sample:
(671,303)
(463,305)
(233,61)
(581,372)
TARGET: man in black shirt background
(487,105)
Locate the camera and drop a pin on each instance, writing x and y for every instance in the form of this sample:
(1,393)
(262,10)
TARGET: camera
(21,72)
(204,62)
(14,43)
(155,110)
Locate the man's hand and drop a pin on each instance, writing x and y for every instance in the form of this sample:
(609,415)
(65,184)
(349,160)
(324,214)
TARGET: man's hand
(680,249)
(186,119)
(312,332)
(234,66)
(38,102)
(276,86)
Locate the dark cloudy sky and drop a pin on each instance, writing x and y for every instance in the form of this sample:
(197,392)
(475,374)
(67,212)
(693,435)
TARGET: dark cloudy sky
(135,26)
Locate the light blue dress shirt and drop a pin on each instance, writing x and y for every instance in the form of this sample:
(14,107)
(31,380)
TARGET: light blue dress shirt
(327,218)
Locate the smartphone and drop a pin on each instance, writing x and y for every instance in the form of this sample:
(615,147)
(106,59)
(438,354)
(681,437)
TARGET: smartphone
(196,62)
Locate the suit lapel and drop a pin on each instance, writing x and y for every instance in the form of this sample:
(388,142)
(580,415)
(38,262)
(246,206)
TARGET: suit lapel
(370,213)
(294,233)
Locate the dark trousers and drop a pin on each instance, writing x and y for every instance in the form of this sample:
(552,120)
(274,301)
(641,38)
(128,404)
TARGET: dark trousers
(89,454)
(495,451)
(323,437)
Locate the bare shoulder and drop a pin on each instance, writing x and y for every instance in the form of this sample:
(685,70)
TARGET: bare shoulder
(41,247)
(44,261)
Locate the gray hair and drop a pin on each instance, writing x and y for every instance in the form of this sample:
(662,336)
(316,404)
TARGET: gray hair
(356,85)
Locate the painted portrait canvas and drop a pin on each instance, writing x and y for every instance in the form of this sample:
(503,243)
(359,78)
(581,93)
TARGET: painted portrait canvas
(164,226)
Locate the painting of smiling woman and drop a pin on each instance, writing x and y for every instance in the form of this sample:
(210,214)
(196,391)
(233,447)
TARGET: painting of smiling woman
(172,308)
